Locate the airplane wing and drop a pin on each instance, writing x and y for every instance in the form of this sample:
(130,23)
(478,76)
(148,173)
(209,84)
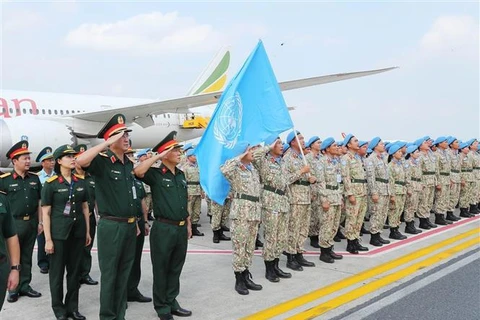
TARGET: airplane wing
(143,114)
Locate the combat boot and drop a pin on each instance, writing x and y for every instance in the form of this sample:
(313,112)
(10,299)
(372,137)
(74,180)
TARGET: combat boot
(440,220)
(464,213)
(383,241)
(451,216)
(301,261)
(334,255)
(216,236)
(396,235)
(240,285)
(225,228)
(325,255)
(195,231)
(338,236)
(314,241)
(424,224)
(270,274)
(359,246)
(430,224)
(279,272)
(247,277)
(258,243)
(410,228)
(374,241)
(473,209)
(223,237)
(351,247)
(292,263)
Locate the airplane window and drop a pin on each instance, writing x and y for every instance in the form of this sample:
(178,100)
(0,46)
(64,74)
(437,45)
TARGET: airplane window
(43,111)
(49,111)
(55,111)
(24,111)
(73,111)
(67,112)
(168,116)
(11,110)
(164,116)
(61,112)
(30,111)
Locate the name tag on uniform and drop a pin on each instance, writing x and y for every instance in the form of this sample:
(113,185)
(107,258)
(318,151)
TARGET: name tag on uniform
(134,193)
(339,178)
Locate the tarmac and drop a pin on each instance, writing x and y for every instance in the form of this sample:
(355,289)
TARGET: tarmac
(323,292)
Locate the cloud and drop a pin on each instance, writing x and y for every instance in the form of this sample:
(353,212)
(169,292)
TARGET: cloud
(21,21)
(145,34)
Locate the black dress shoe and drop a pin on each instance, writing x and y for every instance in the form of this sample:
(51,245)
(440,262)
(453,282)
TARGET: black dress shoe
(12,297)
(166,316)
(31,294)
(182,312)
(75,315)
(140,298)
(44,270)
(88,280)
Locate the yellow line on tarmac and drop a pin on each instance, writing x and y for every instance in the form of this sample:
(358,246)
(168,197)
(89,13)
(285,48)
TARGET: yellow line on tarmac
(382,282)
(342,284)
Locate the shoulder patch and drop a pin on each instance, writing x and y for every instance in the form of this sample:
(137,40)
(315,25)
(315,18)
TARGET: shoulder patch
(5,175)
(78,176)
(103,154)
(53,178)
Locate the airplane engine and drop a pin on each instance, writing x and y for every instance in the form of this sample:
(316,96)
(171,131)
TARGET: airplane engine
(38,133)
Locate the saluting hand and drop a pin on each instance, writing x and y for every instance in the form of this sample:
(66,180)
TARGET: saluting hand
(114,138)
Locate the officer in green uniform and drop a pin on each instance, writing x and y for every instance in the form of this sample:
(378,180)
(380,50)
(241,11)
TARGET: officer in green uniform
(172,226)
(23,191)
(64,200)
(9,273)
(117,227)
(90,185)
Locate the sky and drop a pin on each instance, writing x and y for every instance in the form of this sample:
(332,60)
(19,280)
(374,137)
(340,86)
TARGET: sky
(157,50)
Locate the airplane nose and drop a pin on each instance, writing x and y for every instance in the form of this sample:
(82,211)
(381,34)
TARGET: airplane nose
(5,143)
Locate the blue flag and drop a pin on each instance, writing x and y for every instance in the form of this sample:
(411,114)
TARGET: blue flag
(250,110)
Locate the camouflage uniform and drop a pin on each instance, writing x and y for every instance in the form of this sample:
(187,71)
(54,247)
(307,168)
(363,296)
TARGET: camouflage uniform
(466,191)
(414,188)
(219,214)
(274,202)
(442,196)
(194,205)
(378,184)
(429,181)
(315,164)
(455,179)
(398,180)
(355,184)
(329,189)
(476,174)
(245,212)
(300,200)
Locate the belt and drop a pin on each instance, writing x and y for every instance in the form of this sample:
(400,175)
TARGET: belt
(455,171)
(120,219)
(331,187)
(359,181)
(172,222)
(401,183)
(275,190)
(302,182)
(246,197)
(195,183)
(24,218)
(415,179)
(446,174)
(467,170)
(476,168)
(381,180)
(428,173)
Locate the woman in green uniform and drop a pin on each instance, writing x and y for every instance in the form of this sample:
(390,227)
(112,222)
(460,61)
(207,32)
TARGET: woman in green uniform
(64,199)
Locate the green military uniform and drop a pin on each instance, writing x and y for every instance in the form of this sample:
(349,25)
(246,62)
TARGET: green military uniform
(23,195)
(7,230)
(87,257)
(168,236)
(68,233)
(134,279)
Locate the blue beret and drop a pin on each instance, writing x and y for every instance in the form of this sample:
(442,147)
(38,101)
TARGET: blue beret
(362,143)
(419,142)
(427,138)
(451,140)
(291,136)
(440,140)
(412,148)
(142,152)
(410,144)
(369,150)
(312,140)
(339,143)
(347,139)
(374,142)
(285,147)
(464,145)
(270,139)
(327,143)
(187,146)
(388,145)
(471,141)
(190,152)
(401,143)
(394,148)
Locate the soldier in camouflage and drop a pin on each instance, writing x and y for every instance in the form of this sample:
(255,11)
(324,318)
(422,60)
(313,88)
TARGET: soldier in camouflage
(429,181)
(468,179)
(195,193)
(455,179)
(314,161)
(414,187)
(219,216)
(398,181)
(275,207)
(299,180)
(245,214)
(355,182)
(474,209)
(442,192)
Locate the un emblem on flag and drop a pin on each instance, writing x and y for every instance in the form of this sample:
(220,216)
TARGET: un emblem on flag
(228,124)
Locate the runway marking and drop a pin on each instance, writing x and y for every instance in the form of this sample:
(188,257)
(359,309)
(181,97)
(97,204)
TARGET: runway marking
(382,282)
(352,280)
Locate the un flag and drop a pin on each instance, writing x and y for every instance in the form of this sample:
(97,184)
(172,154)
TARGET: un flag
(250,109)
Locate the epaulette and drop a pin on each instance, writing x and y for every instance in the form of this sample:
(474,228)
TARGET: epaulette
(5,175)
(3,192)
(103,154)
(53,178)
(79,176)
(34,173)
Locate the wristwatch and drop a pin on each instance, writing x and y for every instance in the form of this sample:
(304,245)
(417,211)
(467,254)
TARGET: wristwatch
(16,267)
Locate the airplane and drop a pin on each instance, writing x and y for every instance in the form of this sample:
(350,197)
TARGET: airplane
(54,119)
